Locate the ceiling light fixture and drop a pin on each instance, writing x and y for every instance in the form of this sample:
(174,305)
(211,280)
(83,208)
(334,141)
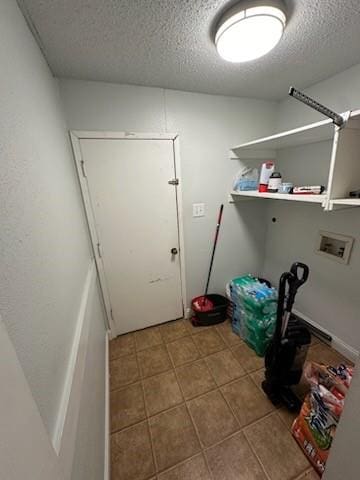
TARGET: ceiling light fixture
(249,30)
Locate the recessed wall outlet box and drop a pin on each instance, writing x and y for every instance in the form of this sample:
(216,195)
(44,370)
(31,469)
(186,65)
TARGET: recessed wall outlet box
(334,246)
(198,209)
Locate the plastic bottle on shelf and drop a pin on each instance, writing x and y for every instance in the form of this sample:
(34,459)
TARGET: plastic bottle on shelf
(267,168)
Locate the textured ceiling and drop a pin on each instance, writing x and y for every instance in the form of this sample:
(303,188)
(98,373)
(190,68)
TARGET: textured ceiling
(168,43)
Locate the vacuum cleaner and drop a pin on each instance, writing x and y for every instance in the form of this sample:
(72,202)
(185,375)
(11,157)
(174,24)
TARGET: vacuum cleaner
(286,354)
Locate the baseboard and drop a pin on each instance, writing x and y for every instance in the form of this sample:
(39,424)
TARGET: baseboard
(337,344)
(64,434)
(107,411)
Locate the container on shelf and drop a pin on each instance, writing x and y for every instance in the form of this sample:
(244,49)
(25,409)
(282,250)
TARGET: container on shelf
(274,182)
(285,187)
(267,168)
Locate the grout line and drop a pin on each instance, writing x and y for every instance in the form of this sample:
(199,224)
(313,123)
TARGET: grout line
(255,422)
(148,422)
(170,469)
(281,418)
(301,476)
(230,408)
(149,417)
(210,372)
(137,350)
(188,410)
(207,464)
(233,434)
(262,466)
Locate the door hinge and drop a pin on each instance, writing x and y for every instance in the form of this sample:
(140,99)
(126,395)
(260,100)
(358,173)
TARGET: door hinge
(111,314)
(174,181)
(99,250)
(82,163)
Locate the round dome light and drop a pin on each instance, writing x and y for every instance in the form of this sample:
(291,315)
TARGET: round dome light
(245,34)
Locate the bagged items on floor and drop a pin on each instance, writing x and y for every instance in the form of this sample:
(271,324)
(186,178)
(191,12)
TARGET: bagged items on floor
(254,311)
(314,428)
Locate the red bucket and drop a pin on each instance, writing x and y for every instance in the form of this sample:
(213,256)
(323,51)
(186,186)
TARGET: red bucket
(210,312)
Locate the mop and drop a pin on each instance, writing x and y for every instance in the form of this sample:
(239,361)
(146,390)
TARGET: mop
(202,303)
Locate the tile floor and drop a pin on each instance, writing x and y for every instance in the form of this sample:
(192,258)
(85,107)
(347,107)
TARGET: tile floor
(186,404)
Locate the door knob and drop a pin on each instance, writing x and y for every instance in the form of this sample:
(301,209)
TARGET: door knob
(174,251)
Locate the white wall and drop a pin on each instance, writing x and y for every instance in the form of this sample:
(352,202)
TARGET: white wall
(44,247)
(88,455)
(207,125)
(331,297)
(340,92)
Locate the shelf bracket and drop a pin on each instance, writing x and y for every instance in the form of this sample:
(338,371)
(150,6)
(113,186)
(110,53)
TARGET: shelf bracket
(337,119)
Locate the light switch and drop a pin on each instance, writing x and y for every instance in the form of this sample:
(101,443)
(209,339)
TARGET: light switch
(198,209)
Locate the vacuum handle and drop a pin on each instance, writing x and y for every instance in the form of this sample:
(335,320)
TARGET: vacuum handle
(300,273)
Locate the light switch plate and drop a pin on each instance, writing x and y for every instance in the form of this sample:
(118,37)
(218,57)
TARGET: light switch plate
(198,209)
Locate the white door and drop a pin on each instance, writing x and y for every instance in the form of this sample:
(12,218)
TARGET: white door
(136,220)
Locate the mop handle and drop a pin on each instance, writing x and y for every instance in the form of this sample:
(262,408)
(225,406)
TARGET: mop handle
(214,248)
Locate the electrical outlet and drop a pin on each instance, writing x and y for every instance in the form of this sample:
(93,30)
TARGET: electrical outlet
(198,209)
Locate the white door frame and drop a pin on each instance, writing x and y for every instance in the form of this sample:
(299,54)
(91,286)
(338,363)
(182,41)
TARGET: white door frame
(76,136)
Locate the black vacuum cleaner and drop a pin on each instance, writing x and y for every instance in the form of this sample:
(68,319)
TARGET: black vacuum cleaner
(286,354)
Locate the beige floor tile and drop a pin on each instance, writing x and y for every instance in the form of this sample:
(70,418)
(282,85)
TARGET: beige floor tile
(287,417)
(258,376)
(310,475)
(154,360)
(127,406)
(194,330)
(162,392)
(122,345)
(183,351)
(276,449)
(174,438)
(173,330)
(248,358)
(246,401)
(123,371)
(213,418)
(149,337)
(321,353)
(131,455)
(227,333)
(224,367)
(195,379)
(193,469)
(209,341)
(233,460)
